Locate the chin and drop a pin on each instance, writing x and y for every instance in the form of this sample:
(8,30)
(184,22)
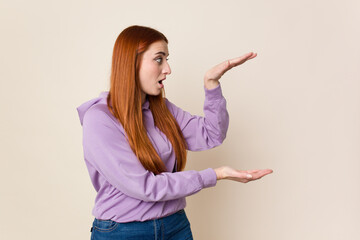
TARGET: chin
(157,93)
(154,94)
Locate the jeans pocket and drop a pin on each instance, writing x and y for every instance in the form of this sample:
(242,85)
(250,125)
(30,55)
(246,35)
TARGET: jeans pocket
(104,225)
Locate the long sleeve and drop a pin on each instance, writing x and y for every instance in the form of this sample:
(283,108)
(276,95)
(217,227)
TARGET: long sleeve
(202,133)
(107,150)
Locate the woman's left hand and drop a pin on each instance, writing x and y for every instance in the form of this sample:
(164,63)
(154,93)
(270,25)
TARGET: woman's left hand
(243,176)
(211,79)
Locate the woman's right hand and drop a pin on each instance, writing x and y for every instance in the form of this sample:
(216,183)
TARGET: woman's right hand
(212,76)
(243,176)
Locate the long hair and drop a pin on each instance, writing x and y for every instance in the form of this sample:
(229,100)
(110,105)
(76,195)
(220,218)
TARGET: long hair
(124,100)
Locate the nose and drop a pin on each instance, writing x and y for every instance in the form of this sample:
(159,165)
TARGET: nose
(167,69)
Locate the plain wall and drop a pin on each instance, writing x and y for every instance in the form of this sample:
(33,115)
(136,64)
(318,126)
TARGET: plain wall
(295,108)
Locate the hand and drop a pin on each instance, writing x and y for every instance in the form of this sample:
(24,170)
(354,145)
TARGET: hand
(212,76)
(240,175)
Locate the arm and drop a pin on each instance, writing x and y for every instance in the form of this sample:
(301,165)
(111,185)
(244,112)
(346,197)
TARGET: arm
(106,148)
(211,81)
(206,132)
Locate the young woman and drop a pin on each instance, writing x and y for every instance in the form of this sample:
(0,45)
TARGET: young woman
(135,142)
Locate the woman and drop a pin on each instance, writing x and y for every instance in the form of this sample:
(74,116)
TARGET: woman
(135,143)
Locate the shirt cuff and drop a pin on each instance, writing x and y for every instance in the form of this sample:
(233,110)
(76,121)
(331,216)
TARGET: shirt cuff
(213,94)
(208,177)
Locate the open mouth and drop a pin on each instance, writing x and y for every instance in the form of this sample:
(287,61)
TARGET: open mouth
(160,83)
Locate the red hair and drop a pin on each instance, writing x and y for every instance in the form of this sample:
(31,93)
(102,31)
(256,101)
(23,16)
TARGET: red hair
(124,100)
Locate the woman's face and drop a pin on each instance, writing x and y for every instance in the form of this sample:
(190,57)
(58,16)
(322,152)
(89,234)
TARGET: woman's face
(154,68)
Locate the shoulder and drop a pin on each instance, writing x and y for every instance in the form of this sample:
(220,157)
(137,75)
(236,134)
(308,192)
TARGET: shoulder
(168,103)
(97,112)
(98,116)
(172,107)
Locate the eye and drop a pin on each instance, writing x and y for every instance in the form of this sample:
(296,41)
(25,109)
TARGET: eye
(159,60)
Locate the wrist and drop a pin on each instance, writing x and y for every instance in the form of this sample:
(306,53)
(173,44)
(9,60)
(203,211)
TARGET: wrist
(211,84)
(219,173)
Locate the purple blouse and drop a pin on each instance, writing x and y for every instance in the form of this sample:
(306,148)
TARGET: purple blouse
(126,191)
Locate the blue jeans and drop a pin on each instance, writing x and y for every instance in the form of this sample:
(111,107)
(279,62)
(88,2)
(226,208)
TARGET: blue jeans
(173,227)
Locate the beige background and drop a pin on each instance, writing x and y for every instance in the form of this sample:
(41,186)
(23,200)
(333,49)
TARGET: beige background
(295,108)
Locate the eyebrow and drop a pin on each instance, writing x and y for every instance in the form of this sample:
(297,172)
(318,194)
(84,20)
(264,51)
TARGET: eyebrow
(162,53)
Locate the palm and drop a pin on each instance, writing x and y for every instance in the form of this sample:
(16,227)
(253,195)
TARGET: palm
(242,175)
(215,73)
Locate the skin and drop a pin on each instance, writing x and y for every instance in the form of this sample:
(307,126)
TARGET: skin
(154,67)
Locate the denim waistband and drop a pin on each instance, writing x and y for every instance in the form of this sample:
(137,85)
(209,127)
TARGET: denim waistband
(182,211)
(175,226)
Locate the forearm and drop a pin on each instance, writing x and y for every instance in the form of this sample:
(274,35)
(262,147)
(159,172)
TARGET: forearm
(210,84)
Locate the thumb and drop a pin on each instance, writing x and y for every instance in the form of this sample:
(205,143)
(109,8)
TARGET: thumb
(244,175)
(248,176)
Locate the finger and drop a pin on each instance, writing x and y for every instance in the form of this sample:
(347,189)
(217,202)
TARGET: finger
(241,175)
(243,180)
(267,171)
(240,60)
(251,57)
(259,170)
(261,173)
(219,70)
(237,61)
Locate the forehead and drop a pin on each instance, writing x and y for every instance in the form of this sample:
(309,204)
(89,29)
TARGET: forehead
(157,47)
